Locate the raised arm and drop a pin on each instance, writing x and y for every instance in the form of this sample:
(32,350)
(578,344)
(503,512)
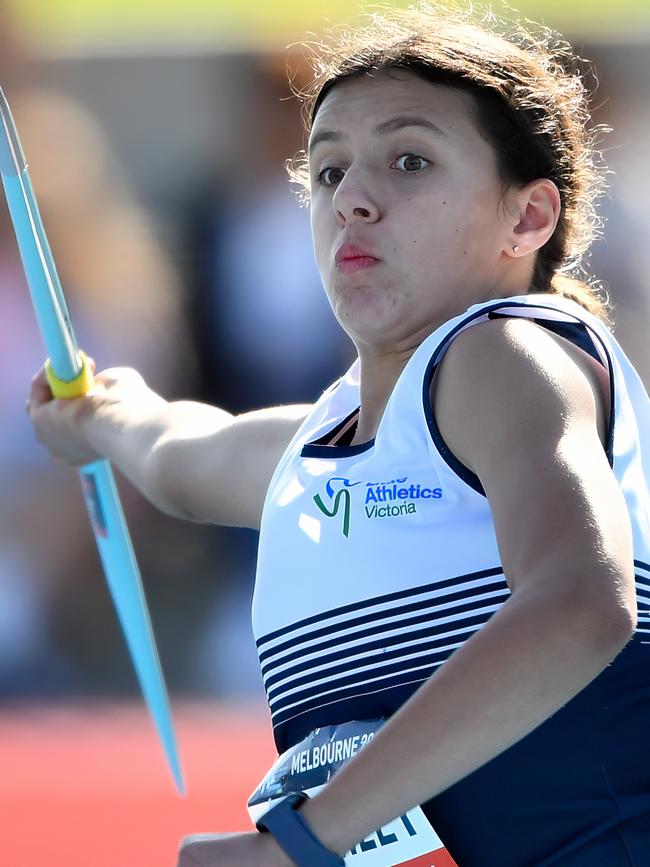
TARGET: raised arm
(191,460)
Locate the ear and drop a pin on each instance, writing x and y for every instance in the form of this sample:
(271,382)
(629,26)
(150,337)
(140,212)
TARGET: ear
(535,211)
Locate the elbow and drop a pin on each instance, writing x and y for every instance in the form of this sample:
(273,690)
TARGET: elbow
(623,611)
(599,620)
(601,607)
(624,624)
(612,625)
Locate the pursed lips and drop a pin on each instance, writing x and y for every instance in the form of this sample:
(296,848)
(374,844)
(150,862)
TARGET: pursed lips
(350,258)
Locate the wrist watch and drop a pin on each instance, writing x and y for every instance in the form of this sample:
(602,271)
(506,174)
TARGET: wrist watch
(294,835)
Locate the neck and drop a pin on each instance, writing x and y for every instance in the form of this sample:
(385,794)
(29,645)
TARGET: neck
(381,365)
(378,374)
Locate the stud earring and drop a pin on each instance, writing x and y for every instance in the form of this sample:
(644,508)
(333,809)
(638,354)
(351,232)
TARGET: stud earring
(515,249)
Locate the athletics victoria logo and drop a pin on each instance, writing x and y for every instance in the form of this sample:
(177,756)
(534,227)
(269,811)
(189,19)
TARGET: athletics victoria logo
(342,497)
(381,499)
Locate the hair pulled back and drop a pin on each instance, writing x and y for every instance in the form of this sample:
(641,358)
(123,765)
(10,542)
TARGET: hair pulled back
(531,105)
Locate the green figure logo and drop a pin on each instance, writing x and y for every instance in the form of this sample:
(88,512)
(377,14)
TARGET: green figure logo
(342,496)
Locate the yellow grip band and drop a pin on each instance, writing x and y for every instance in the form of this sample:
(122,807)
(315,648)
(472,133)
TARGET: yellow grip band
(77,387)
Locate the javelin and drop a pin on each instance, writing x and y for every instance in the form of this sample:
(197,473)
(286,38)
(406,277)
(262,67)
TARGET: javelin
(69,375)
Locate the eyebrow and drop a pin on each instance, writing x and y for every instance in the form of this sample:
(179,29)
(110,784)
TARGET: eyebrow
(384,128)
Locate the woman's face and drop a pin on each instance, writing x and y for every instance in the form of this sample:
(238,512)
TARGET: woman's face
(400,172)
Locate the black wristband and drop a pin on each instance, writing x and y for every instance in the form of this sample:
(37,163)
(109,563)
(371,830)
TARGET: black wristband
(295,836)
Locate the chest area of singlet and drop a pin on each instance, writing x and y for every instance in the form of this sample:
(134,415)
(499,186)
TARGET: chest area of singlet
(344,528)
(343,502)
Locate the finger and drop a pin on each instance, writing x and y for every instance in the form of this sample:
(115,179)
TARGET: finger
(39,391)
(39,373)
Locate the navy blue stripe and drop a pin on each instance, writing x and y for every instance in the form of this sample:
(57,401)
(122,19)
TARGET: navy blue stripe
(380,703)
(642,586)
(333,628)
(642,565)
(432,660)
(390,683)
(467,626)
(381,644)
(575,332)
(400,653)
(378,600)
(313,451)
(282,697)
(380,628)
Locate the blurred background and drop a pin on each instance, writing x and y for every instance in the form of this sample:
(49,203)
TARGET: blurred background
(157,136)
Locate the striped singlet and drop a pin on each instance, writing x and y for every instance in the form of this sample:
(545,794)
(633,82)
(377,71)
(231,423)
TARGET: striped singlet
(377,561)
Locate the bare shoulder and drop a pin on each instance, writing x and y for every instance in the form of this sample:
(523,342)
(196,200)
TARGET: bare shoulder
(526,411)
(520,383)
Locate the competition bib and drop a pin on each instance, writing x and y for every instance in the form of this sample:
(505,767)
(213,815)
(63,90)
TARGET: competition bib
(408,841)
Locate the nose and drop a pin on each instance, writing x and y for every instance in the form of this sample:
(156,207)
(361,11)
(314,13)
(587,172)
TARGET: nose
(353,200)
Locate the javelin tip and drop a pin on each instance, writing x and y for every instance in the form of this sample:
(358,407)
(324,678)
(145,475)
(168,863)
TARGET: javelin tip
(175,766)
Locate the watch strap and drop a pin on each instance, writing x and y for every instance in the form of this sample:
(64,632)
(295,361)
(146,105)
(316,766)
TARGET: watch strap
(295,836)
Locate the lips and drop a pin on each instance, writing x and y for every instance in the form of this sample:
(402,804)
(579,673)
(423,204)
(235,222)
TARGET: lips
(351,251)
(350,258)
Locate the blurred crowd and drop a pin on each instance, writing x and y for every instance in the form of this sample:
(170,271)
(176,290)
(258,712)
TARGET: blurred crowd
(183,251)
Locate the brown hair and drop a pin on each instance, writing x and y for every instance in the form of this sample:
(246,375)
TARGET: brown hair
(531,105)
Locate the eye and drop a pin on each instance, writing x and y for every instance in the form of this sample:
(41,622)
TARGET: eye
(410,163)
(329,176)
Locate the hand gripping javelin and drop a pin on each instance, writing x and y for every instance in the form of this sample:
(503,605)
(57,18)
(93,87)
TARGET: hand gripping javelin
(69,375)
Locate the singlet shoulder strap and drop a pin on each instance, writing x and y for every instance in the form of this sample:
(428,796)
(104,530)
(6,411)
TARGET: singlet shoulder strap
(552,316)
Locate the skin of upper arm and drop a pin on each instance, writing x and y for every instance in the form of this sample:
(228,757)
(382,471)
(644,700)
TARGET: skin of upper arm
(519,410)
(221,475)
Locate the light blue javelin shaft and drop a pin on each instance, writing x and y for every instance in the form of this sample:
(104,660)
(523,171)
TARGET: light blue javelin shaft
(18,164)
(102,500)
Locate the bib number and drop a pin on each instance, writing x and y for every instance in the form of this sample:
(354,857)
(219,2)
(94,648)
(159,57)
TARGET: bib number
(408,841)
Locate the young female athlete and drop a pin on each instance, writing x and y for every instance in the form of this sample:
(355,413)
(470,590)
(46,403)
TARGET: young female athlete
(455,536)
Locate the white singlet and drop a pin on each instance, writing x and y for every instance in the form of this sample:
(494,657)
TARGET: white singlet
(377,561)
